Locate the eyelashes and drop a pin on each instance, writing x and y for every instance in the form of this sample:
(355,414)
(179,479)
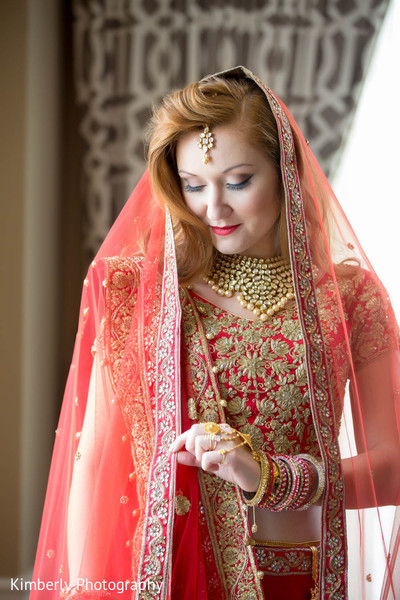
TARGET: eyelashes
(241,185)
(190,188)
(230,186)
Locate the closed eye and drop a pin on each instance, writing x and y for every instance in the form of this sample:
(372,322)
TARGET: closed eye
(241,185)
(193,188)
(230,186)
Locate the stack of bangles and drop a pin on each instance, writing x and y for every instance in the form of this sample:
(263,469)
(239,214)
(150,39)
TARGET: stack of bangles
(287,482)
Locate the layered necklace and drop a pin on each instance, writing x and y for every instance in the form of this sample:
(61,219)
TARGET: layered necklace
(264,285)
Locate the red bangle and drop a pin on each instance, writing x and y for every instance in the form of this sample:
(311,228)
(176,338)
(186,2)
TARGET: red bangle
(306,489)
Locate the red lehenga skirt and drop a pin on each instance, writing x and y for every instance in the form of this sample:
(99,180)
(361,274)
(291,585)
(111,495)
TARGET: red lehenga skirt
(289,572)
(286,571)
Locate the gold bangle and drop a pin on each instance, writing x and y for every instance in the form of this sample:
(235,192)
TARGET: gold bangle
(264,480)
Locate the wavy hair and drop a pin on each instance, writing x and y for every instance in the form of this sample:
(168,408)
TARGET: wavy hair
(214,102)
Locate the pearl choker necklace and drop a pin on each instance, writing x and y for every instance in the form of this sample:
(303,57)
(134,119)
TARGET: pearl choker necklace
(264,284)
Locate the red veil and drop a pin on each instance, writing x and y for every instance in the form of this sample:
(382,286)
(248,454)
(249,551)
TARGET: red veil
(125,382)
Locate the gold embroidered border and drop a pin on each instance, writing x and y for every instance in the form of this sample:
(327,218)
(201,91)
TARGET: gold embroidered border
(293,561)
(226,519)
(156,558)
(333,564)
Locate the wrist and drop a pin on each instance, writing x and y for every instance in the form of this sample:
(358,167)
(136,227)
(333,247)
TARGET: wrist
(265,483)
(253,478)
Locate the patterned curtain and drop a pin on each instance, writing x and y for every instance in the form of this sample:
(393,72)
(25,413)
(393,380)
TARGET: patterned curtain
(129,53)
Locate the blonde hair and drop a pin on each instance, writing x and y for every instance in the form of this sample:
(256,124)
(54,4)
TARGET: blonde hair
(213,102)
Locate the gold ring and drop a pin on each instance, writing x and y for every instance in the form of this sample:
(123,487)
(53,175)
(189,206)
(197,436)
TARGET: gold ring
(212,445)
(211,428)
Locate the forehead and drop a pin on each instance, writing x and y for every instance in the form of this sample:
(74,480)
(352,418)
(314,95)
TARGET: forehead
(230,147)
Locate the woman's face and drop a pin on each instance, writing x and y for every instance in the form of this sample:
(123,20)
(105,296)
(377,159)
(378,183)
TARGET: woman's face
(236,194)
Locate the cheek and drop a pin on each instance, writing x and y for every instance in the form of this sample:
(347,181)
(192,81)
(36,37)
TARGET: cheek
(193,204)
(261,206)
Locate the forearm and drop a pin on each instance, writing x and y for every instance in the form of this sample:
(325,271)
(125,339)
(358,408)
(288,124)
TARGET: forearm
(372,479)
(79,507)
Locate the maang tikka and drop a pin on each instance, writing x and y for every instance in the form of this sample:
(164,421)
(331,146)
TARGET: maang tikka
(205,143)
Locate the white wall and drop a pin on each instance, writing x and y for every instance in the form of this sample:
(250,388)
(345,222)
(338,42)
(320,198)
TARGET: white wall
(367,180)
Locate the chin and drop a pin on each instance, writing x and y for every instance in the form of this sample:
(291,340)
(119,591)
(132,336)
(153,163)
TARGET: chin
(228,249)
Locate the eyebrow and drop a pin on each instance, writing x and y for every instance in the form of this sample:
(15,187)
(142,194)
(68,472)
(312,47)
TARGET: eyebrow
(225,171)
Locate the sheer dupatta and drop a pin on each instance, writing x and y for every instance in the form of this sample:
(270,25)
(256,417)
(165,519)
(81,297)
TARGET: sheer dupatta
(337,289)
(112,480)
(108,441)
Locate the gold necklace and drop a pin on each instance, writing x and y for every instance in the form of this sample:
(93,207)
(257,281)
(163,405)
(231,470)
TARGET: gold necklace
(264,284)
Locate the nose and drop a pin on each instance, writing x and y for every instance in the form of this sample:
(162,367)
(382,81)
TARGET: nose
(217,205)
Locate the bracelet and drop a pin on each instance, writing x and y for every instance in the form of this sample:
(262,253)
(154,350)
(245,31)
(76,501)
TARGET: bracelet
(274,473)
(274,486)
(288,479)
(317,464)
(278,495)
(224,451)
(265,480)
(296,489)
(264,487)
(294,484)
(306,489)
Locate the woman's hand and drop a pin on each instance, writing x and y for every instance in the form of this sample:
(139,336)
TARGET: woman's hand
(195,449)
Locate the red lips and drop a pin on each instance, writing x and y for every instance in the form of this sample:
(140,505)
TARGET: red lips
(224,230)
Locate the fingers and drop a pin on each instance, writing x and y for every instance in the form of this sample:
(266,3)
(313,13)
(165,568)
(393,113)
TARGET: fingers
(195,448)
(185,458)
(202,445)
(210,461)
(186,439)
(180,442)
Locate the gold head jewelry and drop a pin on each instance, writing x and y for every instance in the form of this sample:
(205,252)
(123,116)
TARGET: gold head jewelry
(205,143)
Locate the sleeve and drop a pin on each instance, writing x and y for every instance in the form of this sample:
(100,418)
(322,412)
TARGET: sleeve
(369,311)
(121,283)
(90,519)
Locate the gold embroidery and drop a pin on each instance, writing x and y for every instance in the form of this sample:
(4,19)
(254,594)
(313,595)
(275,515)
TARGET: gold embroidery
(222,502)
(182,505)
(156,553)
(278,562)
(333,551)
(227,527)
(123,277)
(365,310)
(261,374)
(333,548)
(122,281)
